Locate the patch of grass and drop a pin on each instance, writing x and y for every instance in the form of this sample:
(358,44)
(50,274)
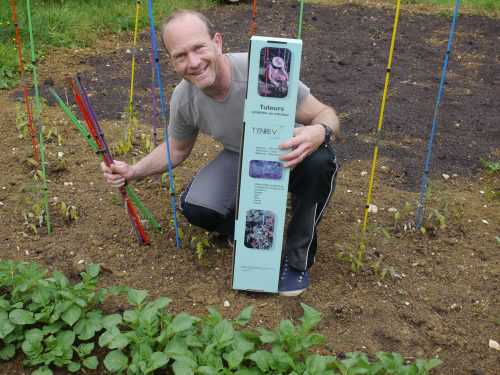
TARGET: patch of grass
(73,23)
(489,8)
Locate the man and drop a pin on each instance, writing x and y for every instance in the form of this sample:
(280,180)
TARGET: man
(210,99)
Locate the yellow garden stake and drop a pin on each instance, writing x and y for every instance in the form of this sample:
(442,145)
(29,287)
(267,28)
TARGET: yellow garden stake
(362,246)
(132,75)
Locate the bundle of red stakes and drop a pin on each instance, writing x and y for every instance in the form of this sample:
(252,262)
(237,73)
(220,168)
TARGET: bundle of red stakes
(95,130)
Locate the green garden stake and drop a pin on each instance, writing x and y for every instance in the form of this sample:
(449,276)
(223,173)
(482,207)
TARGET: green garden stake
(301,16)
(38,120)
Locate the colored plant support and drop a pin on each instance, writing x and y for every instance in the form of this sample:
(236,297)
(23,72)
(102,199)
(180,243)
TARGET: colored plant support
(98,135)
(38,120)
(425,177)
(163,118)
(154,102)
(93,145)
(26,98)
(253,24)
(299,22)
(379,133)
(131,114)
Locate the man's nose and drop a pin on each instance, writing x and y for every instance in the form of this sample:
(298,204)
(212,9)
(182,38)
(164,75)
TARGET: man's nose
(193,60)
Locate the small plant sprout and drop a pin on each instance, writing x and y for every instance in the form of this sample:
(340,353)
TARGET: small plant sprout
(146,143)
(53,135)
(69,213)
(21,121)
(490,165)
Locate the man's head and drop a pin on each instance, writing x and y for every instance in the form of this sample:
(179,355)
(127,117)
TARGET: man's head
(194,48)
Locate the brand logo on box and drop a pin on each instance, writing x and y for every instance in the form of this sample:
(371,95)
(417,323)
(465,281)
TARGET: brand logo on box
(264,131)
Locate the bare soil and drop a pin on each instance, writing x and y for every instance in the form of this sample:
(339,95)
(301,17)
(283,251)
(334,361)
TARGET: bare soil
(441,293)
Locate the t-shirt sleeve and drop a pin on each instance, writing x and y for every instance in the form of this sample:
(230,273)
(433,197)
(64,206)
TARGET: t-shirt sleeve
(180,126)
(302,93)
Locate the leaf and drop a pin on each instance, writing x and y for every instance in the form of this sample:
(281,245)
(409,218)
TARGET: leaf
(183,368)
(112,320)
(223,333)
(263,359)
(182,322)
(7,352)
(87,327)
(266,336)
(310,319)
(73,366)
(286,329)
(43,371)
(244,316)
(91,362)
(72,315)
(93,270)
(84,350)
(234,358)
(313,339)
(157,360)
(136,297)
(21,317)
(65,339)
(206,370)
(116,361)
(6,326)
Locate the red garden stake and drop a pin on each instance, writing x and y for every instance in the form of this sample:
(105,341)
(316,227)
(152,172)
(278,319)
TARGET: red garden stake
(27,103)
(98,135)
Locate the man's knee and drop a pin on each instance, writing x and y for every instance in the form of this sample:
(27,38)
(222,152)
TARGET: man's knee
(201,216)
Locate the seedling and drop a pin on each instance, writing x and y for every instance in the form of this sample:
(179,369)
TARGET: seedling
(69,213)
(490,165)
(146,143)
(53,135)
(21,121)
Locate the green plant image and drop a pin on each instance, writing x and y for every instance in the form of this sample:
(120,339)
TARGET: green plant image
(58,324)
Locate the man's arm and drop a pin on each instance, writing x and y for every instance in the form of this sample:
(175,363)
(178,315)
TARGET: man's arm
(307,139)
(154,163)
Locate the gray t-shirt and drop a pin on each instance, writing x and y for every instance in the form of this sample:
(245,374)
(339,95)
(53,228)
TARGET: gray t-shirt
(192,111)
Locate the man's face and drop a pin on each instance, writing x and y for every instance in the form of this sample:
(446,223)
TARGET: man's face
(192,51)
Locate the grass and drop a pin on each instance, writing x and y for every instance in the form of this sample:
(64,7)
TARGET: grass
(489,8)
(73,23)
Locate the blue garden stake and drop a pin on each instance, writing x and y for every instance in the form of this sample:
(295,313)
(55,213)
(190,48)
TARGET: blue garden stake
(425,176)
(163,118)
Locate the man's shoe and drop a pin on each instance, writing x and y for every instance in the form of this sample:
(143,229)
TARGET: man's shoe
(292,281)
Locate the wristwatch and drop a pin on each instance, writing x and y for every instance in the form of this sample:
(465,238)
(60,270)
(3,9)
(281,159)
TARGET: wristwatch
(328,134)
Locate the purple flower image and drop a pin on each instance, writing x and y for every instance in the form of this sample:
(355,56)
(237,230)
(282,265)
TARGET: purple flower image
(259,229)
(272,170)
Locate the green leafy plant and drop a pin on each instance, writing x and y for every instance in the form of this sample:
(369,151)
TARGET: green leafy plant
(490,165)
(56,323)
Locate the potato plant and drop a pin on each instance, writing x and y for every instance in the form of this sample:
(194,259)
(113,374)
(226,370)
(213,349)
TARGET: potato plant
(56,323)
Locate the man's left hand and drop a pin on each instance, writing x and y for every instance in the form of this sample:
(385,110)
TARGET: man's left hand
(305,141)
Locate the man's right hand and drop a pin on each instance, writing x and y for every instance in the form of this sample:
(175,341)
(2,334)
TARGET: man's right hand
(118,173)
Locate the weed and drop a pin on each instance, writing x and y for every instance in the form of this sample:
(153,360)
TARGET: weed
(21,121)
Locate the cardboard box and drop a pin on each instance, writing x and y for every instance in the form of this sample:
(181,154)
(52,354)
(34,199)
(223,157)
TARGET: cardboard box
(269,119)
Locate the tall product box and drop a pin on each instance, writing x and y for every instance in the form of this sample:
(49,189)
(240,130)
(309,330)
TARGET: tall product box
(269,119)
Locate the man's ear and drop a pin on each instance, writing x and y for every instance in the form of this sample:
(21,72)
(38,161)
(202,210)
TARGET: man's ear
(218,41)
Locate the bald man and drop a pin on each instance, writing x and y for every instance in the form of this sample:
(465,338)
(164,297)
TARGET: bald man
(210,100)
